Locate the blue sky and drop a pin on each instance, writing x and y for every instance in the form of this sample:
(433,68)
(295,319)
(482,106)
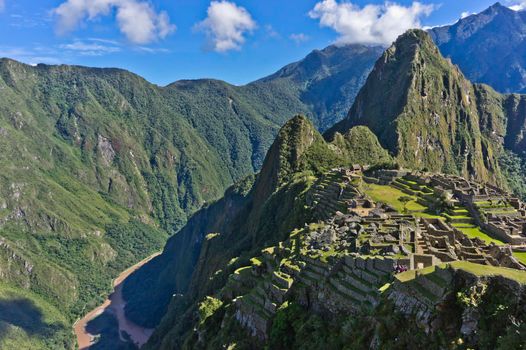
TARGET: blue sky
(237,41)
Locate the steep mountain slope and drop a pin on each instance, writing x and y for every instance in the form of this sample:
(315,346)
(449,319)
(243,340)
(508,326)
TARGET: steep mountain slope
(489,47)
(326,81)
(99,166)
(277,266)
(430,117)
(252,214)
(94,161)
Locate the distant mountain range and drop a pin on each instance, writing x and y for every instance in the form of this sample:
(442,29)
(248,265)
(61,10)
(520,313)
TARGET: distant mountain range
(326,81)
(489,47)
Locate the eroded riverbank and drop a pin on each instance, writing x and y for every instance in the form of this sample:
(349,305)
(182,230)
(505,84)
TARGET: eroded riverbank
(115,305)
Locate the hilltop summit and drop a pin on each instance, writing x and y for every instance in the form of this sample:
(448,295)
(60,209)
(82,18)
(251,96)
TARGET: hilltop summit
(427,114)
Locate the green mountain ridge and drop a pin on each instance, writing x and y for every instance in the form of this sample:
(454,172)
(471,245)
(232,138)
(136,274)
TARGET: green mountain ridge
(244,220)
(411,90)
(99,166)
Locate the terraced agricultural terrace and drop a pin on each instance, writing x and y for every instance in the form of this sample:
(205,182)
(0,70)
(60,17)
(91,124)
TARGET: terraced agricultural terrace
(369,243)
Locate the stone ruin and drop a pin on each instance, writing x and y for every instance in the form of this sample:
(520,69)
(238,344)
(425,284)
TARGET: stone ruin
(446,244)
(496,211)
(357,246)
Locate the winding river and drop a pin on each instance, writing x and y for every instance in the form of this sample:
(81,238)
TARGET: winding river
(115,304)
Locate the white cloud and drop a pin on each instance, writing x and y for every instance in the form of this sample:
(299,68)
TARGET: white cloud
(151,50)
(137,20)
(465,14)
(92,48)
(271,32)
(371,24)
(520,6)
(226,26)
(105,41)
(299,38)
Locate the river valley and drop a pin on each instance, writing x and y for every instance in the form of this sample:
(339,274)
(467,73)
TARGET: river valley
(114,306)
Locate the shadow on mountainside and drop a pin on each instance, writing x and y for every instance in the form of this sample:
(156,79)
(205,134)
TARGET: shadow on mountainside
(24,314)
(106,327)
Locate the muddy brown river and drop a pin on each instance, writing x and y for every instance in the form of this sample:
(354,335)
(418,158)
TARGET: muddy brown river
(115,304)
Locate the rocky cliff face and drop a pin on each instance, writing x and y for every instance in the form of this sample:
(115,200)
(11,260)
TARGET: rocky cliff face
(515,106)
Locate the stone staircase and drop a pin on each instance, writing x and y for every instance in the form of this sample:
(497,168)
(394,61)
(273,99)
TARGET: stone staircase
(358,280)
(256,309)
(328,197)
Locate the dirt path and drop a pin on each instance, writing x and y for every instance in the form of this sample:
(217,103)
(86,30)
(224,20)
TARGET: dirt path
(116,304)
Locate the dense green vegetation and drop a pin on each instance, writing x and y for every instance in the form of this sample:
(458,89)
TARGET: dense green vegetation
(414,123)
(514,168)
(360,146)
(435,119)
(27,321)
(100,166)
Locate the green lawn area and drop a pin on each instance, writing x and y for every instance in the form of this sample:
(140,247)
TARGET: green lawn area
(389,195)
(486,204)
(461,211)
(485,270)
(411,274)
(476,232)
(453,217)
(427,215)
(521,256)
(501,211)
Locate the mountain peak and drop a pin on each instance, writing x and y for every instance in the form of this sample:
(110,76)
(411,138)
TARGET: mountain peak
(293,139)
(414,35)
(397,68)
(413,41)
(298,147)
(428,113)
(497,5)
(497,9)
(488,47)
